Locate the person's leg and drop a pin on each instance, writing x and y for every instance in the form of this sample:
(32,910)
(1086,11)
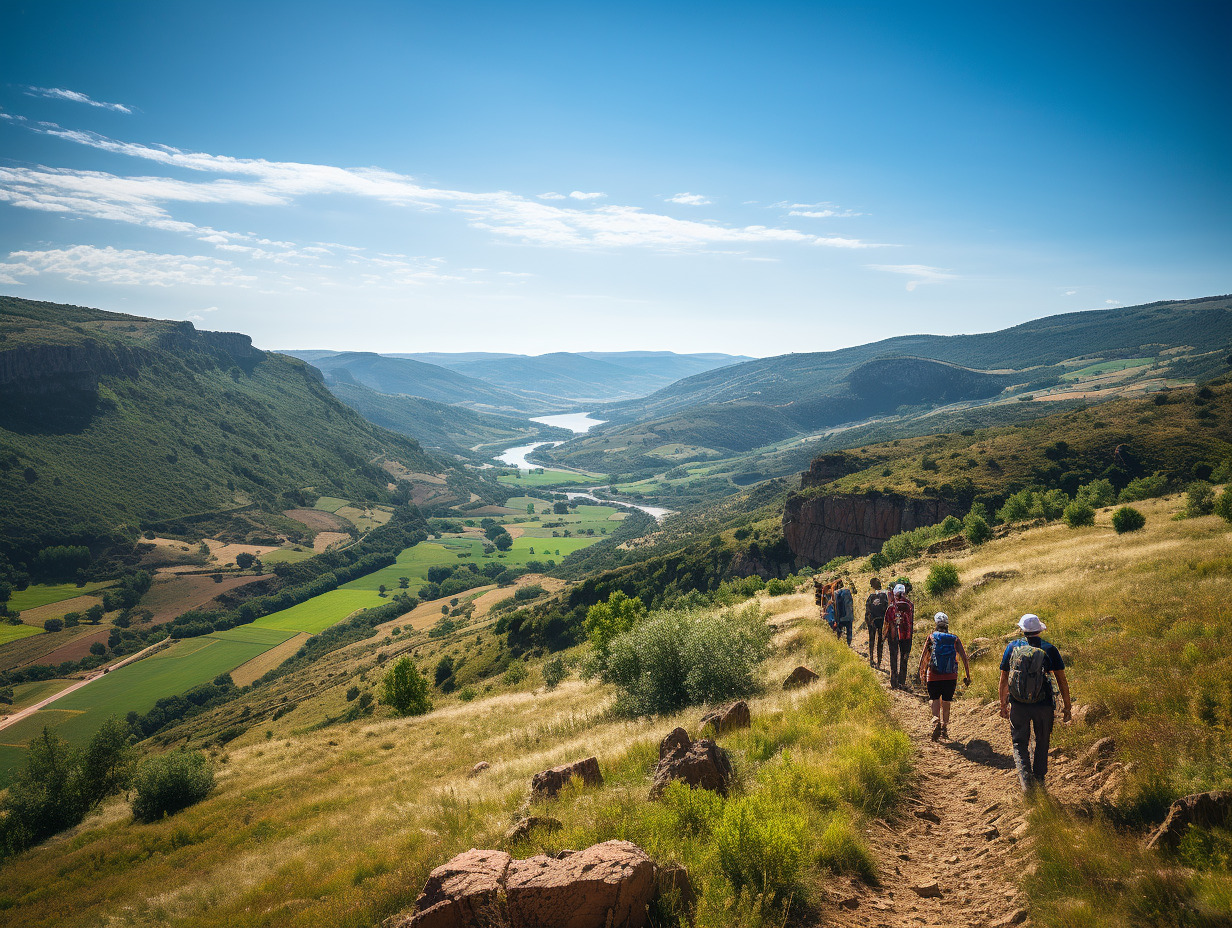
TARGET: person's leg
(1042,719)
(880,641)
(849,624)
(904,654)
(945,713)
(1020,738)
(934,706)
(872,635)
(893,662)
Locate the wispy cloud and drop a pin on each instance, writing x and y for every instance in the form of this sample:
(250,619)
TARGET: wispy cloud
(1070,292)
(922,273)
(824,213)
(1112,302)
(123,266)
(148,200)
(59,93)
(689,199)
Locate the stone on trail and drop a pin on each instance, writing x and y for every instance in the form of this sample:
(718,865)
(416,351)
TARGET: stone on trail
(990,832)
(1202,810)
(548,783)
(927,890)
(928,815)
(479,768)
(701,764)
(532,823)
(801,676)
(728,718)
(1016,917)
(1100,749)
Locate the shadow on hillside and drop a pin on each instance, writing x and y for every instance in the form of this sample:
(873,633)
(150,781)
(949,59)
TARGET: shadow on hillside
(981,752)
(55,412)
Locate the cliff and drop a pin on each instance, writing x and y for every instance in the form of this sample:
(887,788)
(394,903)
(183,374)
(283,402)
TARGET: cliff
(821,528)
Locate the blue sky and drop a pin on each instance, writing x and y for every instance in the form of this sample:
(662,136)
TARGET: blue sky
(754,178)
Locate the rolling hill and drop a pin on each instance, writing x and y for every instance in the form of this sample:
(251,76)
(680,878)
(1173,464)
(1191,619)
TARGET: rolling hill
(111,422)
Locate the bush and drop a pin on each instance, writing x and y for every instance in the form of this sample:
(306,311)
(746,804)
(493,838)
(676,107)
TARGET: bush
(941,579)
(405,690)
(678,657)
(1223,505)
(975,529)
(1079,513)
(165,785)
(1097,494)
(777,587)
(762,845)
(1127,519)
(515,675)
(1141,488)
(1199,499)
(554,671)
(53,625)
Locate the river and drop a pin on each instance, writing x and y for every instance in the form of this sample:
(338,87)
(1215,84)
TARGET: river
(655,512)
(579,423)
(516,457)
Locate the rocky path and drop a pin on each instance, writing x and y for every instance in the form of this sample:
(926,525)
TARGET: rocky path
(951,855)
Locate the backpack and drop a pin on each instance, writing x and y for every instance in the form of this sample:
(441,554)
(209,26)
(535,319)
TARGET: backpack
(844,608)
(1028,673)
(943,657)
(878,603)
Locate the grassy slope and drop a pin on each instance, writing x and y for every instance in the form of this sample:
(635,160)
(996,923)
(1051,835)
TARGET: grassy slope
(177,427)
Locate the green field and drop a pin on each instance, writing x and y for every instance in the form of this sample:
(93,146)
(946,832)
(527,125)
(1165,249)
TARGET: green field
(287,556)
(44,593)
(27,694)
(315,615)
(548,478)
(1107,366)
(15,632)
(330,503)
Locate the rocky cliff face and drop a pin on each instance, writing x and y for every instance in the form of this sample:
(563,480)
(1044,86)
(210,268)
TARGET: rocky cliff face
(821,528)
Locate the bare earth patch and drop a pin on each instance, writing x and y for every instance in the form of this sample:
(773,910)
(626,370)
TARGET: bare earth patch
(177,593)
(317,520)
(225,553)
(40,614)
(262,664)
(326,539)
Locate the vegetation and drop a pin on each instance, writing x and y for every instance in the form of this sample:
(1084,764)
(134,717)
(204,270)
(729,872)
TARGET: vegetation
(405,689)
(171,782)
(1127,519)
(1079,513)
(942,579)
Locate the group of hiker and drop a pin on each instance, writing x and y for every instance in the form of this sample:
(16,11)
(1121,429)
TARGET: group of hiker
(1029,665)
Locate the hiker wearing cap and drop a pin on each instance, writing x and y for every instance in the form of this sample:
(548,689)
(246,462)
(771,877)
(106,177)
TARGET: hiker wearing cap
(900,626)
(939,671)
(1027,698)
(844,610)
(874,617)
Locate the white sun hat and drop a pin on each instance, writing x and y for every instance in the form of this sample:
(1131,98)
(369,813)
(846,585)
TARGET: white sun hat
(899,588)
(1031,624)
(941,619)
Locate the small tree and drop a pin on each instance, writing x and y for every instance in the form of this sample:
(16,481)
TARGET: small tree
(166,784)
(244,560)
(380,590)
(404,582)
(1079,513)
(554,672)
(560,508)
(606,620)
(975,528)
(53,625)
(94,614)
(1127,519)
(1199,499)
(942,578)
(1223,505)
(504,541)
(72,619)
(405,690)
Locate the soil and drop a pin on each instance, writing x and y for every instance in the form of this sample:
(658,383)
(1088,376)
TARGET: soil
(317,520)
(326,539)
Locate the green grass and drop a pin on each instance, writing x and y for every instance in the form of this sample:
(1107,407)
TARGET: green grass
(16,632)
(330,503)
(1105,367)
(27,694)
(287,556)
(317,614)
(43,593)
(548,478)
(255,634)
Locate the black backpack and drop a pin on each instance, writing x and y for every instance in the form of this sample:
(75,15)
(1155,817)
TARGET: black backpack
(878,603)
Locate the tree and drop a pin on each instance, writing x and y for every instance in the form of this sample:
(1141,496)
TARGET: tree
(380,590)
(530,509)
(244,560)
(94,614)
(503,541)
(606,620)
(1079,513)
(1199,499)
(107,764)
(405,689)
(404,582)
(53,625)
(1127,519)
(560,508)
(975,528)
(166,784)
(72,619)
(6,590)
(1223,505)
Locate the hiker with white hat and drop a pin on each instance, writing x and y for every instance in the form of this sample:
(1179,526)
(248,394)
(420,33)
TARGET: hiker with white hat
(900,626)
(1027,700)
(939,671)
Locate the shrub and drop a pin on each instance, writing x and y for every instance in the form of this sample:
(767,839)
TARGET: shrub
(1199,499)
(606,620)
(941,579)
(1079,513)
(1223,505)
(352,693)
(405,690)
(1127,519)
(53,625)
(515,674)
(679,657)
(762,845)
(1141,488)
(1097,494)
(554,671)
(165,785)
(777,587)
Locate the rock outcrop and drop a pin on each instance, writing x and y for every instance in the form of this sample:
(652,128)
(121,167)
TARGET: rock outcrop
(531,823)
(701,764)
(801,676)
(548,783)
(821,528)
(727,718)
(608,885)
(1202,810)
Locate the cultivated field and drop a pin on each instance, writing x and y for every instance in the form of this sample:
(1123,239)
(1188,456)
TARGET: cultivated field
(43,593)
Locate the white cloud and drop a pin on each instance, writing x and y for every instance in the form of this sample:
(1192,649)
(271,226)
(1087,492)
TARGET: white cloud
(1112,302)
(123,266)
(823,213)
(922,272)
(195,317)
(58,93)
(1070,292)
(689,199)
(148,200)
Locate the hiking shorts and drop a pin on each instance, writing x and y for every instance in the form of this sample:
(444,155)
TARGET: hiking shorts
(942,689)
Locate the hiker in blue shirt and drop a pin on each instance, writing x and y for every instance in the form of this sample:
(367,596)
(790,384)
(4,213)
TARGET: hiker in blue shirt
(1027,700)
(939,671)
(844,611)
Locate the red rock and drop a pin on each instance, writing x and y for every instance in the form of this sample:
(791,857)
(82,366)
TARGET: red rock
(608,885)
(728,718)
(701,765)
(801,676)
(676,740)
(463,892)
(1202,810)
(548,783)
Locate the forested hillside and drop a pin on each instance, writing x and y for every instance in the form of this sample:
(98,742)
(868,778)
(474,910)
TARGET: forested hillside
(111,422)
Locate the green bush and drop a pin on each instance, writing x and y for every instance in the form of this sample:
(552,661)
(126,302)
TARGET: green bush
(1079,513)
(165,785)
(762,845)
(1199,499)
(677,657)
(777,587)
(1223,505)
(1141,488)
(1127,519)
(515,674)
(941,579)
(975,528)
(405,689)
(1097,493)
(554,671)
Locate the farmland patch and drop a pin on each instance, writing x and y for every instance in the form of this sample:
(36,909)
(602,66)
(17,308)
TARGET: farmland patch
(43,593)
(317,520)
(16,632)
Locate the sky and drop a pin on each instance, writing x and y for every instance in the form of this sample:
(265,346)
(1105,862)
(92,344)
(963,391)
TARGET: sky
(752,178)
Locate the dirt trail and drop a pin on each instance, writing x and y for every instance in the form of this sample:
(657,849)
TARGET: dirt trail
(950,857)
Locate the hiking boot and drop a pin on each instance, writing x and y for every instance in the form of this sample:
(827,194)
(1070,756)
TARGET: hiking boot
(945,732)
(936,735)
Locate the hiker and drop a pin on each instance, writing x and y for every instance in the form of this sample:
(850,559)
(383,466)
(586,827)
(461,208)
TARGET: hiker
(1027,699)
(874,617)
(844,610)
(939,671)
(900,626)
(823,595)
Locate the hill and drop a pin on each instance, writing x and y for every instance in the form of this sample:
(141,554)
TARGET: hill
(759,402)
(110,423)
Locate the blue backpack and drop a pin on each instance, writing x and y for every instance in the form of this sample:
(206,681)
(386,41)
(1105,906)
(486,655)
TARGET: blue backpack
(944,656)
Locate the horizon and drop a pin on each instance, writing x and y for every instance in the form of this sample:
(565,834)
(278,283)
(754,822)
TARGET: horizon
(689,180)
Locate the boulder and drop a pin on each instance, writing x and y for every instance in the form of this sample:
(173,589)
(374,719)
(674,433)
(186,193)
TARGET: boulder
(674,885)
(701,764)
(676,740)
(465,891)
(1089,714)
(801,676)
(728,718)
(546,784)
(479,768)
(1202,810)
(531,823)
(608,884)
(1101,749)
